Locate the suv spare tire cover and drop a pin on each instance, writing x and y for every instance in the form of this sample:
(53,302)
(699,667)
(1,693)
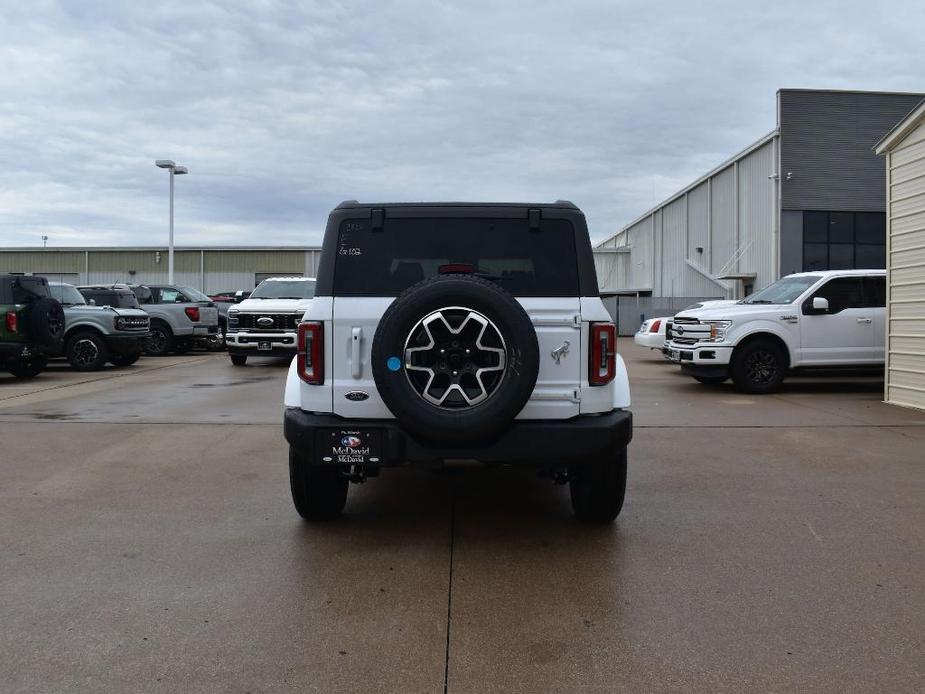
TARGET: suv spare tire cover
(46,322)
(455,357)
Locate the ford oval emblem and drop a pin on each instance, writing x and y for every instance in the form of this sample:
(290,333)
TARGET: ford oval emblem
(356,395)
(265,322)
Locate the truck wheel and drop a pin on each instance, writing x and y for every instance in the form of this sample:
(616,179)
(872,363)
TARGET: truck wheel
(318,493)
(86,351)
(159,341)
(711,380)
(238,359)
(597,491)
(182,346)
(28,368)
(125,359)
(758,367)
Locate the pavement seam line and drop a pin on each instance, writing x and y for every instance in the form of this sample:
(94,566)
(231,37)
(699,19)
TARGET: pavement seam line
(449,593)
(101,378)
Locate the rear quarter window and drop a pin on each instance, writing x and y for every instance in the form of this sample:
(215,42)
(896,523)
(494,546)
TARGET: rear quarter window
(542,262)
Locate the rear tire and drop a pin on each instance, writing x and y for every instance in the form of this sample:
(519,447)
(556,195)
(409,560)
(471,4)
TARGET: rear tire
(598,491)
(27,369)
(238,359)
(86,351)
(159,342)
(318,493)
(758,367)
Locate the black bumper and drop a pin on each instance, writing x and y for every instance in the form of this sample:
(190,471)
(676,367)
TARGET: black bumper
(21,350)
(125,344)
(583,440)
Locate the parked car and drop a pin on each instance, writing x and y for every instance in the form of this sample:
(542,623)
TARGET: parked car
(651,333)
(806,320)
(266,322)
(31,325)
(95,334)
(179,315)
(442,333)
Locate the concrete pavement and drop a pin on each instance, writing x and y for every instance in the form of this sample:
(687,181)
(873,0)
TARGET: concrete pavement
(148,544)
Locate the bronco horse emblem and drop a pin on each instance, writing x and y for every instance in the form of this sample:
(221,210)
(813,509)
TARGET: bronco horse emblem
(560,351)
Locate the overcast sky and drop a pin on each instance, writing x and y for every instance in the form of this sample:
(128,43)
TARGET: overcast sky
(280,110)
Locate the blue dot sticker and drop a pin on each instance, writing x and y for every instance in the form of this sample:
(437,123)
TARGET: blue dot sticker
(394,363)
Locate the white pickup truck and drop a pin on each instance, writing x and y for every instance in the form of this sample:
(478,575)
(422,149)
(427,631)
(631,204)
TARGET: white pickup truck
(834,318)
(266,322)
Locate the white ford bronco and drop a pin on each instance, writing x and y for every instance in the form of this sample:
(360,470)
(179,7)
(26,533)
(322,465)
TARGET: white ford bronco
(266,322)
(452,333)
(812,320)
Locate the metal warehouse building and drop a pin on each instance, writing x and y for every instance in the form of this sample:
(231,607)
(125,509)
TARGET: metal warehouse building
(904,149)
(210,270)
(809,195)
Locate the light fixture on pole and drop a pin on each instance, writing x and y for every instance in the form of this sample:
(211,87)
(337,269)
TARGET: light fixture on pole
(44,241)
(175,170)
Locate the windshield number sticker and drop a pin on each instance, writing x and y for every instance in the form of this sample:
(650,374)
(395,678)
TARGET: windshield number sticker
(354,250)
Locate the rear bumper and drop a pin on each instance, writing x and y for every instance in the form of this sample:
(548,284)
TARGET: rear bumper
(583,440)
(20,350)
(651,340)
(245,342)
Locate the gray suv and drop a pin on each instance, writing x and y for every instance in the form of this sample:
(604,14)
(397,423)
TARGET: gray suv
(94,335)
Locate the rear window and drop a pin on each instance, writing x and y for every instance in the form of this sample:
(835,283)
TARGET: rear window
(28,289)
(406,251)
(116,299)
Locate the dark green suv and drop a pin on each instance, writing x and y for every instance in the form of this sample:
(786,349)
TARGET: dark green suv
(31,325)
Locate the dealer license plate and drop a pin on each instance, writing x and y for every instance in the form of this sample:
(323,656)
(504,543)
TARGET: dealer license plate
(674,355)
(264,347)
(350,446)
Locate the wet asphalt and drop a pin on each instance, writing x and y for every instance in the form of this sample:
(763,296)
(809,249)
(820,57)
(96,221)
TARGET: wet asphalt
(148,544)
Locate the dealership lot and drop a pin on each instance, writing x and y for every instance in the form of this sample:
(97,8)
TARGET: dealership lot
(149,544)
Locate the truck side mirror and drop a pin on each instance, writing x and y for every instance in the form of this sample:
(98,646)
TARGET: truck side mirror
(820,304)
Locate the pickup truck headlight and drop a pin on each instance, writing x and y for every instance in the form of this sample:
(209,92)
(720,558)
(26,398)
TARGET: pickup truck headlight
(119,323)
(718,329)
(232,318)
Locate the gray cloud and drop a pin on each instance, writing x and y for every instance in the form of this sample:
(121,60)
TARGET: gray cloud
(281,109)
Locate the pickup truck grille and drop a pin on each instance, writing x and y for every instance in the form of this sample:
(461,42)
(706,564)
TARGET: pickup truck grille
(688,331)
(281,321)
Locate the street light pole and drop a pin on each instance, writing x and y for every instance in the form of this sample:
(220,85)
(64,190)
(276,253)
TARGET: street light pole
(174,170)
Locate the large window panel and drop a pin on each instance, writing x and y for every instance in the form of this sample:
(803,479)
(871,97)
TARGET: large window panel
(844,240)
(815,227)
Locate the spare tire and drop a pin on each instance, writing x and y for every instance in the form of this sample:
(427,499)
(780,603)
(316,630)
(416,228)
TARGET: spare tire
(46,322)
(455,357)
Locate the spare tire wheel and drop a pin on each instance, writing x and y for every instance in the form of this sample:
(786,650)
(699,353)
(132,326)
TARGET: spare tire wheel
(455,357)
(46,322)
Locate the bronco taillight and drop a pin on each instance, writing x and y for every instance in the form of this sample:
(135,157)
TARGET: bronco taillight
(310,358)
(193,313)
(11,321)
(656,324)
(602,356)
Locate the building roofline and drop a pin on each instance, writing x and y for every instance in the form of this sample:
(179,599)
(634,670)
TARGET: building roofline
(712,172)
(847,91)
(81,249)
(907,124)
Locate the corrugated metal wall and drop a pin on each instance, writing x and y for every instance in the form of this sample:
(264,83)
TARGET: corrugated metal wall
(210,270)
(905,368)
(827,140)
(730,214)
